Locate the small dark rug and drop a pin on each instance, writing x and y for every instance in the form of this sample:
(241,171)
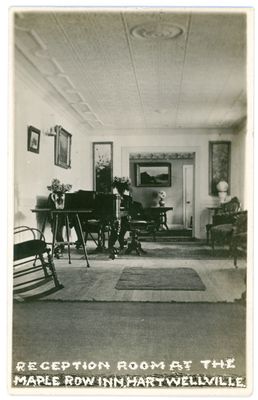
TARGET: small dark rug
(159,279)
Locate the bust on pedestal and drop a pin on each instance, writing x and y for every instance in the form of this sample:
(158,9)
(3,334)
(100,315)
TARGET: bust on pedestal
(222,188)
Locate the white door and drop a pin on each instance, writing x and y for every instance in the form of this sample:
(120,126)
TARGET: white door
(188,196)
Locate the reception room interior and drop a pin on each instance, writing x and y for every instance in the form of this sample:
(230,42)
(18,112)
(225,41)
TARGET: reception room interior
(132,157)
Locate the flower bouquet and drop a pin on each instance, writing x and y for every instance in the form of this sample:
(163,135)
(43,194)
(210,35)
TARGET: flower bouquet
(58,190)
(121,184)
(58,187)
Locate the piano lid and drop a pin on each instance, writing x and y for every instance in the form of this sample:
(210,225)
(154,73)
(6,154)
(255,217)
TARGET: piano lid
(82,199)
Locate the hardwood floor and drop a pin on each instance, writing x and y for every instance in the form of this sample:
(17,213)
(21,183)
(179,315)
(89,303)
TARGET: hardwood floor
(223,282)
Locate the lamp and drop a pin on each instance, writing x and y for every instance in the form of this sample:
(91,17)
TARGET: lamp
(222,188)
(53,130)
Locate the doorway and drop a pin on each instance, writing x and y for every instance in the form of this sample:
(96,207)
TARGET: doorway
(188,177)
(179,194)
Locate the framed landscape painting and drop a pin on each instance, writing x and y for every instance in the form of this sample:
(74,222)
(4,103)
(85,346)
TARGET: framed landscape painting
(63,142)
(153,174)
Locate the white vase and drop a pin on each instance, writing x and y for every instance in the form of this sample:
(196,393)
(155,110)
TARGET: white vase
(59,200)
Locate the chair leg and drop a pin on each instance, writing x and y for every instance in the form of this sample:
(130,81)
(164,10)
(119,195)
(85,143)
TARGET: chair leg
(140,250)
(235,260)
(212,244)
(154,235)
(233,250)
(208,227)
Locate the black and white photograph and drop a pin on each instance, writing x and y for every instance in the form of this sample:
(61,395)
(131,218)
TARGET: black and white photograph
(132,226)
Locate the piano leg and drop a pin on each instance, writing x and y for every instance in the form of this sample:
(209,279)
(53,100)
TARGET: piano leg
(101,239)
(115,230)
(125,226)
(67,237)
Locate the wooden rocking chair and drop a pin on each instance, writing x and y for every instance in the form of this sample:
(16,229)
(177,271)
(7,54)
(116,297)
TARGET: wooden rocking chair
(34,273)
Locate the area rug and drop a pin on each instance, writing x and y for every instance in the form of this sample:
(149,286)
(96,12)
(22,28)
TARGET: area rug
(159,279)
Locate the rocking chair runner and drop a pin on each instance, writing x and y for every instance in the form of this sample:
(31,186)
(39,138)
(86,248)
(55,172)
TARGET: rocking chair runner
(34,272)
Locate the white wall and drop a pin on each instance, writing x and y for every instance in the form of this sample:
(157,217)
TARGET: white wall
(192,140)
(33,172)
(243,177)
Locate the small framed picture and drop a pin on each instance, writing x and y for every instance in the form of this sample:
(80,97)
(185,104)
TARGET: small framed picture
(33,139)
(63,143)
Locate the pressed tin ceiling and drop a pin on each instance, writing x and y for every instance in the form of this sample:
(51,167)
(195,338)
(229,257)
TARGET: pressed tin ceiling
(142,69)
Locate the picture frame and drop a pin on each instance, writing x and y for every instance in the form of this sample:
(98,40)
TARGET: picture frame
(33,140)
(102,166)
(63,144)
(219,164)
(156,174)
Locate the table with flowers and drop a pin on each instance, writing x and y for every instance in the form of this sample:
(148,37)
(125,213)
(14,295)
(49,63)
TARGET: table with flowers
(159,215)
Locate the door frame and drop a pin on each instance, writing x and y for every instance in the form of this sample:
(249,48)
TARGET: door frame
(125,165)
(185,166)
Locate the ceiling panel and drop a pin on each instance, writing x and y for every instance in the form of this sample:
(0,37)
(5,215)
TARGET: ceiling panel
(141,69)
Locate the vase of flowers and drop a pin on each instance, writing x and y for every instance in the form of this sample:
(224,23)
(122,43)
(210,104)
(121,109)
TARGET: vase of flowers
(58,190)
(162,195)
(121,184)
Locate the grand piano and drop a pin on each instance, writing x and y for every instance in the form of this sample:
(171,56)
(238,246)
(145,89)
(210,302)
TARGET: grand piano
(79,208)
(106,209)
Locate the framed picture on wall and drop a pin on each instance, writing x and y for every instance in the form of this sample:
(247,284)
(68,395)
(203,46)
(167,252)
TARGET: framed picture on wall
(219,164)
(33,139)
(63,143)
(153,174)
(102,166)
